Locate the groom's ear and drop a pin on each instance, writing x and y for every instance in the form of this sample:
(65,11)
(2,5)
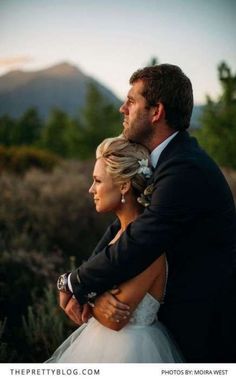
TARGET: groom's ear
(158,113)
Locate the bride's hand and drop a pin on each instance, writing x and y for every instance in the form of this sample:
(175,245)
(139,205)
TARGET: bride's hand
(108,305)
(71,307)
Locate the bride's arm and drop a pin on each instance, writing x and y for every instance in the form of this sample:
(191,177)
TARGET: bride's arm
(133,291)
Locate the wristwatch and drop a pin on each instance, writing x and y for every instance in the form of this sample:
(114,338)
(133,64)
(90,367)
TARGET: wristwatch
(62,283)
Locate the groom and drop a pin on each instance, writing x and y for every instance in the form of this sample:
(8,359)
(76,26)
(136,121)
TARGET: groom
(191,218)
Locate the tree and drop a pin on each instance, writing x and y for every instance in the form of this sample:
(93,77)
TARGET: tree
(228,82)
(153,61)
(7,130)
(218,132)
(100,120)
(61,134)
(73,139)
(28,128)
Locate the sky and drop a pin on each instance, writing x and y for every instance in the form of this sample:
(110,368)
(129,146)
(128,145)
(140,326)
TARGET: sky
(109,40)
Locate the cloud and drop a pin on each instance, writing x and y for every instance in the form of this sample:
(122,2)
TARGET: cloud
(5,62)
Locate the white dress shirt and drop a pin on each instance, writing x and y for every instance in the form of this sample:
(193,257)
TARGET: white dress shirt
(156,153)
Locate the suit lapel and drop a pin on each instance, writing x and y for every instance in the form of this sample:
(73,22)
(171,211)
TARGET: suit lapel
(174,146)
(107,237)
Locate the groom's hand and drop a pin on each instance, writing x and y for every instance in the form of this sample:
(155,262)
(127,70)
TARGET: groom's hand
(110,307)
(71,307)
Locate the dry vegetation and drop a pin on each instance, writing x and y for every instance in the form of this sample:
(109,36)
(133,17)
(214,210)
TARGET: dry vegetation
(46,220)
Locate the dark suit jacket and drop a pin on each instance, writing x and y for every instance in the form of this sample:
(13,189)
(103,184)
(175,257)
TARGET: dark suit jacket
(191,218)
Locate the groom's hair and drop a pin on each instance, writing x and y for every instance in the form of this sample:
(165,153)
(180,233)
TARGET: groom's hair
(167,84)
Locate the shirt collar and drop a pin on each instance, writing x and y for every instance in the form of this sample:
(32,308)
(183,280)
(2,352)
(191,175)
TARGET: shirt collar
(155,154)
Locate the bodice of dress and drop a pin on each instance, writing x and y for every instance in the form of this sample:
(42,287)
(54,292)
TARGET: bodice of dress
(146,311)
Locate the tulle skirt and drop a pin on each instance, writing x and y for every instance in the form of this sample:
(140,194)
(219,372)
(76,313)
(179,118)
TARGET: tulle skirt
(94,343)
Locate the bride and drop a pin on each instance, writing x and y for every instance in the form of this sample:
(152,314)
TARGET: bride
(120,178)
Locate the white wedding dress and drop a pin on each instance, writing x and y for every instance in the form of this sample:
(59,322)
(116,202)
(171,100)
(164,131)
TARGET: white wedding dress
(143,340)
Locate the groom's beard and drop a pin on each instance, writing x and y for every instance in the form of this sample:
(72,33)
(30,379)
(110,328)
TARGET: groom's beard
(140,132)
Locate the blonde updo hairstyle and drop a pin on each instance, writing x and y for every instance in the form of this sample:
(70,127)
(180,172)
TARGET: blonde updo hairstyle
(122,161)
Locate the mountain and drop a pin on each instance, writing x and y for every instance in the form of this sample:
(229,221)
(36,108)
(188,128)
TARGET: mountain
(63,86)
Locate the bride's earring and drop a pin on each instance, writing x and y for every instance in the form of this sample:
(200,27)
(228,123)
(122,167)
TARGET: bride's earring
(122,199)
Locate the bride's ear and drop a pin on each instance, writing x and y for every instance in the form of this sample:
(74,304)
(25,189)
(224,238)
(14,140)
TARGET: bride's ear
(125,187)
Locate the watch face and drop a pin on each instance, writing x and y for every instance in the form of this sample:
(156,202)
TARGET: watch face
(61,282)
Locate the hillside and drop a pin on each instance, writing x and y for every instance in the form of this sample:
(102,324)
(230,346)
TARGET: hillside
(63,86)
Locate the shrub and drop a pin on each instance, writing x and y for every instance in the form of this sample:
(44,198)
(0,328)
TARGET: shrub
(19,159)
(50,211)
(47,220)
(6,354)
(45,327)
(23,276)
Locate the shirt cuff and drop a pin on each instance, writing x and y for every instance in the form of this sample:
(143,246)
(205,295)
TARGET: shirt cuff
(69,283)
(81,293)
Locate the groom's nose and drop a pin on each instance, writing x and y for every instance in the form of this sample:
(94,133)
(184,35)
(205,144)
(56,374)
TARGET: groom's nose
(123,108)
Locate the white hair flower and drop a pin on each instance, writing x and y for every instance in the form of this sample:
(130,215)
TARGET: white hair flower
(144,168)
